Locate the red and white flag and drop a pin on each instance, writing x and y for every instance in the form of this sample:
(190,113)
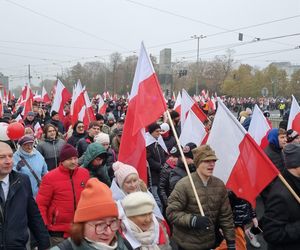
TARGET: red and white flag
(146,105)
(62,95)
(101,105)
(187,104)
(193,130)
(294,118)
(177,105)
(242,166)
(28,100)
(45,96)
(1,104)
(259,128)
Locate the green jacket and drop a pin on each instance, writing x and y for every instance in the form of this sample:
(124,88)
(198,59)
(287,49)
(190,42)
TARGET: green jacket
(182,205)
(100,172)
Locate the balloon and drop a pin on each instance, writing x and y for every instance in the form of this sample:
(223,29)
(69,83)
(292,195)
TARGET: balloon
(3,130)
(15,130)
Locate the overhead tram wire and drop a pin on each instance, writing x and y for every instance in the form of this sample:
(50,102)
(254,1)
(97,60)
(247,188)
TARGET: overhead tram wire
(64,24)
(225,30)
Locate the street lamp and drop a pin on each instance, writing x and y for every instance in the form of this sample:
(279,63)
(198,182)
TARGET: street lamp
(197,71)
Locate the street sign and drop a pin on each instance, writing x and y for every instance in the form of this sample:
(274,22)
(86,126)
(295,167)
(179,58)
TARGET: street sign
(264,92)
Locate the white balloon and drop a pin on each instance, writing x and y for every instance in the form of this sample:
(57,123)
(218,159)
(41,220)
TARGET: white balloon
(3,129)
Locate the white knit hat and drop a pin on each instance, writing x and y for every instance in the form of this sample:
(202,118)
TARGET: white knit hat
(137,203)
(122,171)
(164,127)
(102,138)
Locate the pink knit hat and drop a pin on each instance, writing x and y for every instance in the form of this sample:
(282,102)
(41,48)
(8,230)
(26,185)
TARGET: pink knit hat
(122,171)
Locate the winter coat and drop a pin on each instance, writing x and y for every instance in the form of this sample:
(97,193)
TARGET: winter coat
(21,212)
(122,245)
(83,143)
(100,172)
(58,124)
(36,161)
(156,159)
(242,210)
(182,206)
(276,156)
(178,173)
(50,149)
(164,184)
(58,197)
(281,220)
(73,140)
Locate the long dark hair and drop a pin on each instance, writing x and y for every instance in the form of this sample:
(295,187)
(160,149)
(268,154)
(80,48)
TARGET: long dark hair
(46,128)
(76,233)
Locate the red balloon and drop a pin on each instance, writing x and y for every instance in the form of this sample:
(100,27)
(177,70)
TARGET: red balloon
(15,131)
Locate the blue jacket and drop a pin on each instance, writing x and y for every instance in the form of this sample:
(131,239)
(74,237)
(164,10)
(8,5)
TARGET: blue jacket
(36,162)
(19,213)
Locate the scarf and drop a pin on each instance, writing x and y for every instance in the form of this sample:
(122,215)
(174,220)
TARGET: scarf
(100,245)
(146,239)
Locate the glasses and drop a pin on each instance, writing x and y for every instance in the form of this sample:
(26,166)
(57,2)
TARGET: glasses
(100,228)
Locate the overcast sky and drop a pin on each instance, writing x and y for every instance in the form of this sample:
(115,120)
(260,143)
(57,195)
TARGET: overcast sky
(52,35)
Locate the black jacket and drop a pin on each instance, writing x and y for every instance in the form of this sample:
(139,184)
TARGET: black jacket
(73,140)
(281,220)
(83,143)
(21,212)
(164,185)
(178,173)
(156,159)
(276,156)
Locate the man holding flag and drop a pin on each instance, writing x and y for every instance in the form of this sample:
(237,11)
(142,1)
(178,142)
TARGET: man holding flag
(191,229)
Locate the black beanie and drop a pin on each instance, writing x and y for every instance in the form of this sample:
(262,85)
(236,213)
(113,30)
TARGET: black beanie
(174,114)
(53,113)
(152,127)
(292,155)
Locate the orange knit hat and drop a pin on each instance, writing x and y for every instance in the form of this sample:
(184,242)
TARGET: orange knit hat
(95,202)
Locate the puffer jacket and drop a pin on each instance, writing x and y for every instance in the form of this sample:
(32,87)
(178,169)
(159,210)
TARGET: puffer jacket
(182,206)
(58,197)
(50,149)
(281,220)
(37,163)
(100,172)
(83,143)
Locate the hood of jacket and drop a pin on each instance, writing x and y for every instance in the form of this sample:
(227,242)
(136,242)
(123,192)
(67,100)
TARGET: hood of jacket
(92,151)
(273,137)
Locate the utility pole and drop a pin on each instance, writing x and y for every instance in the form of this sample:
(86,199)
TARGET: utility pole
(197,64)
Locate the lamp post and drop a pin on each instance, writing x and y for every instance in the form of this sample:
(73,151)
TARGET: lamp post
(197,64)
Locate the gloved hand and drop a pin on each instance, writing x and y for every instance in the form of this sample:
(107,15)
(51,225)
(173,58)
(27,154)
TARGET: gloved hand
(199,222)
(230,245)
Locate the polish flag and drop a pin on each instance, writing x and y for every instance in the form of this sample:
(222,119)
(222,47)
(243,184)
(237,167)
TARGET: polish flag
(259,128)
(177,105)
(187,104)
(193,130)
(146,105)
(242,164)
(101,106)
(45,96)
(89,114)
(1,104)
(294,118)
(62,95)
(27,101)
(77,104)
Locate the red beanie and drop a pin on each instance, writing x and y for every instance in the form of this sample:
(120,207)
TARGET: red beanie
(67,152)
(95,202)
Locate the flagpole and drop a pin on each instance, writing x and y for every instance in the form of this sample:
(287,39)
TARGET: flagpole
(185,164)
(289,187)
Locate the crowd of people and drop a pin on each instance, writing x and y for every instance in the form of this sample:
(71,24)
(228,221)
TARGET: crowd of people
(64,188)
